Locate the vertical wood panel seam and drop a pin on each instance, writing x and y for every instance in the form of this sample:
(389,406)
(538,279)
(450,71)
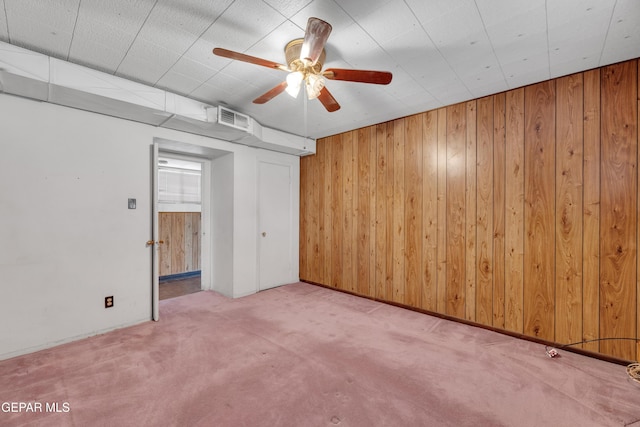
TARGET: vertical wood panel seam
(596,192)
(524,223)
(637,119)
(554,207)
(582,180)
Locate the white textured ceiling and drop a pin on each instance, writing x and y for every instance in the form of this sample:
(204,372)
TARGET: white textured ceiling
(439,51)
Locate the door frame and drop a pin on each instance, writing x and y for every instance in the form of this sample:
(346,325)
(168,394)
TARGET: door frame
(205,222)
(155,258)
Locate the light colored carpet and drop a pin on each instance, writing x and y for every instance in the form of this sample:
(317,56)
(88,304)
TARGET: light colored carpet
(302,355)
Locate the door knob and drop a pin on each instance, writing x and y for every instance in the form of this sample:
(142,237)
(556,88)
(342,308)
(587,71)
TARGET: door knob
(264,234)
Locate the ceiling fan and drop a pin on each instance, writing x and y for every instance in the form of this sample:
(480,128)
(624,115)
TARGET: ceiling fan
(305,58)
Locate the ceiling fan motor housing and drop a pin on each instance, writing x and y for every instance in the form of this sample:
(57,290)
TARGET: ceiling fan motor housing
(292,54)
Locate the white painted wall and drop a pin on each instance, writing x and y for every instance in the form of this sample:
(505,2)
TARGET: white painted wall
(222,219)
(67,239)
(245,227)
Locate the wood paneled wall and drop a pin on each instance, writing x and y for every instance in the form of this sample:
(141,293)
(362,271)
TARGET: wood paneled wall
(180,232)
(517,210)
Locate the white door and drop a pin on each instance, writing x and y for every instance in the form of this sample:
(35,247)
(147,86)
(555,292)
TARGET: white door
(275,206)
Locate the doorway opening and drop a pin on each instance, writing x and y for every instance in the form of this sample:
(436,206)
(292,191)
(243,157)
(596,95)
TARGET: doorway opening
(216,216)
(180,209)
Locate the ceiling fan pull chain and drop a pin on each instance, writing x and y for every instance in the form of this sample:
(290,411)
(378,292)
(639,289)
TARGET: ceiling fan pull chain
(306,130)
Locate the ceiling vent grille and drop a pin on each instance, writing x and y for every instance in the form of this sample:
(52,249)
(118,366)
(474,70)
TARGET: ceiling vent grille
(234,119)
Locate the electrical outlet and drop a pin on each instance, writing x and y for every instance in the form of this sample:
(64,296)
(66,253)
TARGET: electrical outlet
(108,302)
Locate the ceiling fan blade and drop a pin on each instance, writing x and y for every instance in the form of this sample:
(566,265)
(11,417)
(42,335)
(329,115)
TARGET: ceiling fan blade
(268,96)
(361,76)
(248,58)
(315,38)
(328,100)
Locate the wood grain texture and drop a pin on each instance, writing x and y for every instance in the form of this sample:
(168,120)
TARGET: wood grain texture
(499,116)
(354,213)
(165,228)
(539,285)
(455,210)
(537,233)
(363,225)
(591,213)
(347,214)
(484,212)
(309,220)
(429,209)
(313,226)
(373,158)
(337,207)
(382,162)
(569,210)
(470,211)
(413,210)
(177,248)
(619,194)
(389,200)
(196,230)
(441,294)
(514,210)
(305,219)
(188,242)
(180,250)
(398,242)
(325,234)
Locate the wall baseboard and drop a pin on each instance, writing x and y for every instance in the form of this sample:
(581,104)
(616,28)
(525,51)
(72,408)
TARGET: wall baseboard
(184,275)
(67,340)
(583,352)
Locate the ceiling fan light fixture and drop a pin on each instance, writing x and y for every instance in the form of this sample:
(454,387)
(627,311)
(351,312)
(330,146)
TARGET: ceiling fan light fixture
(314,84)
(294,80)
(305,60)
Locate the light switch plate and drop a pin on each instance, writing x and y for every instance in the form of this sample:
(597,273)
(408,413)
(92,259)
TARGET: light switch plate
(132,203)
